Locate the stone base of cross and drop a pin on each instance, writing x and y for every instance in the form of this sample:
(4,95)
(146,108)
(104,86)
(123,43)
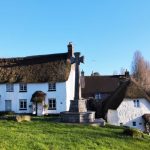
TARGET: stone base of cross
(78,105)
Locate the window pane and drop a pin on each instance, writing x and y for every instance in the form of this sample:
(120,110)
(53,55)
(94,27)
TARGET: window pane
(9,87)
(51,86)
(54,86)
(23,87)
(134,103)
(138,103)
(52,104)
(23,104)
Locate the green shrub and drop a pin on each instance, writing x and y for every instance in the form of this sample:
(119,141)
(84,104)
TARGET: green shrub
(133,132)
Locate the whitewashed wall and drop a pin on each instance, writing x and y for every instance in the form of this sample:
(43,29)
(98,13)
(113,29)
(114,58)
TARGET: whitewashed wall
(126,113)
(70,87)
(59,94)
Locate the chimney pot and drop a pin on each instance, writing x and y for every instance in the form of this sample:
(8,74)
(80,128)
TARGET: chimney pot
(70,50)
(127,74)
(82,73)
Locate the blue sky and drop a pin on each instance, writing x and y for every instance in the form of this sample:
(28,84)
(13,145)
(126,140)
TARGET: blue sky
(106,32)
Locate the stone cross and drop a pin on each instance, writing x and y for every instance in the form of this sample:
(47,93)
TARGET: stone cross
(77,60)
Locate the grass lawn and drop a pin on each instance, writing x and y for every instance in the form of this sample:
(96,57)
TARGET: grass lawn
(44,134)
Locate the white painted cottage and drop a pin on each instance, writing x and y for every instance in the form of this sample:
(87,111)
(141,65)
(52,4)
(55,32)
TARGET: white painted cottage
(26,79)
(127,106)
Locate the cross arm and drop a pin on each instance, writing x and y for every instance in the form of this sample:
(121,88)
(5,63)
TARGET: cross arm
(81,59)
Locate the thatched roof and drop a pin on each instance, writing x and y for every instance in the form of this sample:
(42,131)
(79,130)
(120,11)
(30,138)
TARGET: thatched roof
(33,69)
(129,89)
(100,84)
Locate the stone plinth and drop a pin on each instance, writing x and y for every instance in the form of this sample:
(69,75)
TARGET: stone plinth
(78,117)
(78,113)
(78,106)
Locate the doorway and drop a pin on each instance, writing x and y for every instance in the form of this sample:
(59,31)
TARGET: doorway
(8,105)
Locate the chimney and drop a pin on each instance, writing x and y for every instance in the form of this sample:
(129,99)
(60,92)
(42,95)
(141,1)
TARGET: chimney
(127,75)
(82,73)
(70,50)
(82,79)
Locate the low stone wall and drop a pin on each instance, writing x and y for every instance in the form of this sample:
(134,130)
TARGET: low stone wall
(78,117)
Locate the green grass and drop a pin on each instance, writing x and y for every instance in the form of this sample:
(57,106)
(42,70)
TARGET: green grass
(40,134)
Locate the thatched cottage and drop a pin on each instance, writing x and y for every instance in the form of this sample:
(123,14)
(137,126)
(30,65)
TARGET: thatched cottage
(118,99)
(37,84)
(127,106)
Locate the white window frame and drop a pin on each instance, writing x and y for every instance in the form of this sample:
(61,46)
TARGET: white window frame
(23,106)
(23,87)
(51,86)
(52,104)
(9,87)
(136,103)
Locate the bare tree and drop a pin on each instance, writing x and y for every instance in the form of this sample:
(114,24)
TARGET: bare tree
(141,70)
(137,65)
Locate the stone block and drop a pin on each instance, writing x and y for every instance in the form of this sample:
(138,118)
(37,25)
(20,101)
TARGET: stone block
(78,106)
(20,118)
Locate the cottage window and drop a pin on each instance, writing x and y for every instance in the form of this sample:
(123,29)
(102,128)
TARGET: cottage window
(23,104)
(23,87)
(52,104)
(52,87)
(9,87)
(134,123)
(97,96)
(136,103)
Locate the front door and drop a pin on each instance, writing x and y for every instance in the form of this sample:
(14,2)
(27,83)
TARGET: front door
(7,105)
(39,109)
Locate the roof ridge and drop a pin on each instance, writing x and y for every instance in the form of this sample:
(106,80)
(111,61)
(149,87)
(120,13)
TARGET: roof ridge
(32,56)
(37,68)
